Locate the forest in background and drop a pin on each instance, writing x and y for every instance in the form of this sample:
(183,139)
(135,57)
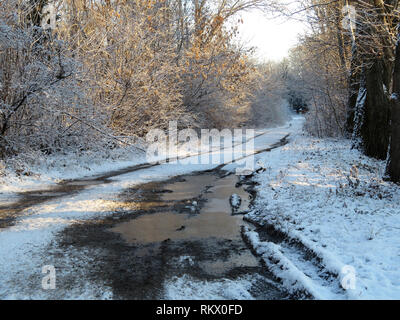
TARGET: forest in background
(347,71)
(85,75)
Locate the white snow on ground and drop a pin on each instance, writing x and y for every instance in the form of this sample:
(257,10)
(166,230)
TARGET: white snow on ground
(321,193)
(188,288)
(332,200)
(46,171)
(23,246)
(235,201)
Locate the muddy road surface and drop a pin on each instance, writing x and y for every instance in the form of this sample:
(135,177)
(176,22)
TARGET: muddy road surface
(181,239)
(175,239)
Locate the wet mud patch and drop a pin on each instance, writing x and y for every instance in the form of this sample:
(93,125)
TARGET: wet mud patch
(159,237)
(139,271)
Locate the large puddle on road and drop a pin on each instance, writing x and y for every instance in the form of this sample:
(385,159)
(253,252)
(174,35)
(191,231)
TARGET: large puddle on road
(217,248)
(204,242)
(215,219)
(188,227)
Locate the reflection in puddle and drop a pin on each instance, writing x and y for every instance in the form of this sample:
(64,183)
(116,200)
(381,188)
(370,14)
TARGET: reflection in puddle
(215,226)
(168,225)
(191,188)
(218,199)
(151,228)
(214,221)
(144,205)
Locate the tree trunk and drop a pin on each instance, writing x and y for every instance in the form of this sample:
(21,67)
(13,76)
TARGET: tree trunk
(393,165)
(353,82)
(354,87)
(375,124)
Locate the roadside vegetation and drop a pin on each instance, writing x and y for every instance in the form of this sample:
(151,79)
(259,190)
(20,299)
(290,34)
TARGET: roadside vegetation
(82,77)
(347,69)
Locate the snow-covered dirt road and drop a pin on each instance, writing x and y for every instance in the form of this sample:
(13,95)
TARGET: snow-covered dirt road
(322,224)
(141,232)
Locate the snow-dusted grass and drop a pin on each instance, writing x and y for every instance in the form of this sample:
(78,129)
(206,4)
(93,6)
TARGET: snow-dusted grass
(34,171)
(332,201)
